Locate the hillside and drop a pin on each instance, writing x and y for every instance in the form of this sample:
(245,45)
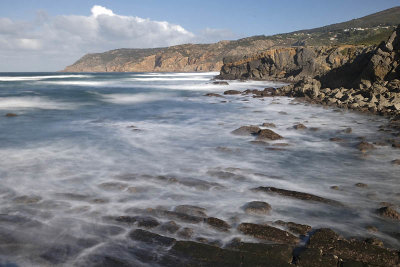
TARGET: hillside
(369,30)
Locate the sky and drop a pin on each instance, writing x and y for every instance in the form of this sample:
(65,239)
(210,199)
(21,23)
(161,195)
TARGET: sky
(47,35)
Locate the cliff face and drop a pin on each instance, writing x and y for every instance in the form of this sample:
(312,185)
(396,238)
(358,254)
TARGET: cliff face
(292,63)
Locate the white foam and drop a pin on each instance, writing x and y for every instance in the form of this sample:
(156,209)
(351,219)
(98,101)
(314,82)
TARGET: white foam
(37,78)
(27,102)
(132,98)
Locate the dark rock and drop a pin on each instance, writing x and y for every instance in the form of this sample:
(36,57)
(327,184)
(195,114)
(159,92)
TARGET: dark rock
(213,95)
(170,227)
(247,130)
(396,162)
(185,233)
(335,187)
(268,124)
(217,224)
(328,242)
(147,222)
(389,212)
(113,186)
(232,92)
(269,233)
(336,139)
(198,254)
(301,229)
(220,83)
(365,146)
(268,134)
(257,207)
(361,185)
(314,129)
(299,126)
(27,199)
(191,210)
(348,130)
(151,238)
(9,115)
(295,194)
(312,257)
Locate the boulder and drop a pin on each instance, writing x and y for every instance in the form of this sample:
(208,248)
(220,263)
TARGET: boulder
(247,130)
(268,233)
(257,207)
(232,92)
(389,212)
(267,134)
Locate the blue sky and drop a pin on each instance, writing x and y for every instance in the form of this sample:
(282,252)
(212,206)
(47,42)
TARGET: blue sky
(39,30)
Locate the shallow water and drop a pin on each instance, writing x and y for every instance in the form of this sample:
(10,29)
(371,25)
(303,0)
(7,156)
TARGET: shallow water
(88,146)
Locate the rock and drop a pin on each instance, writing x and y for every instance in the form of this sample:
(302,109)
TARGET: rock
(314,129)
(335,187)
(268,134)
(232,92)
(295,194)
(151,238)
(365,146)
(213,95)
(147,222)
(247,130)
(348,130)
(396,162)
(361,185)
(217,224)
(389,212)
(9,115)
(185,232)
(113,186)
(191,210)
(170,227)
(374,241)
(220,83)
(330,243)
(336,139)
(299,126)
(300,229)
(268,125)
(269,233)
(27,199)
(316,258)
(257,207)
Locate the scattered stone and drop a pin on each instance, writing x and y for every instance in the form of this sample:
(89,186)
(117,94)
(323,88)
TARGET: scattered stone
(361,185)
(218,224)
(220,83)
(232,92)
(147,222)
(365,146)
(311,257)
(247,130)
(314,129)
(268,124)
(335,139)
(268,134)
(335,187)
(213,95)
(372,229)
(170,227)
(297,195)
(9,115)
(348,130)
(269,233)
(300,126)
(191,210)
(257,207)
(300,229)
(186,232)
(151,238)
(396,162)
(389,212)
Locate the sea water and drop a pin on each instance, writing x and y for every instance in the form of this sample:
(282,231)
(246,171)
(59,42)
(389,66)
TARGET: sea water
(87,147)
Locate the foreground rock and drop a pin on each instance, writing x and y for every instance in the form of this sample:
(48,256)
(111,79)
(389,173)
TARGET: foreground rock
(268,233)
(267,134)
(257,207)
(389,212)
(295,194)
(300,229)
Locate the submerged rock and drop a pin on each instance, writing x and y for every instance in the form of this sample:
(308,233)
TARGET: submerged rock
(257,207)
(269,233)
(301,229)
(268,125)
(191,210)
(268,134)
(232,92)
(247,130)
(213,95)
(220,83)
(300,126)
(151,238)
(170,227)
(365,146)
(9,115)
(218,224)
(295,194)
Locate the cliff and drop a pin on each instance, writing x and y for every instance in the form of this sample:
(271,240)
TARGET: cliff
(366,31)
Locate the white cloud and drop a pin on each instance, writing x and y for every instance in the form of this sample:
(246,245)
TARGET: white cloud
(51,43)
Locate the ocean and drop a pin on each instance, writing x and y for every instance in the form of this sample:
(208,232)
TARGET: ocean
(87,148)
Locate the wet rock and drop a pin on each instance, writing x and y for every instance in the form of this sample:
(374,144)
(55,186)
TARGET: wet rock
(335,139)
(27,199)
(300,126)
(365,146)
(268,125)
(218,224)
(247,130)
(281,144)
(213,95)
(330,243)
(136,189)
(372,229)
(259,142)
(257,207)
(151,238)
(374,241)
(170,227)
(172,215)
(314,129)
(283,113)
(300,229)
(191,182)
(232,92)
(295,194)
(9,115)
(113,186)
(191,210)
(268,134)
(142,221)
(312,257)
(269,233)
(396,162)
(220,83)
(188,253)
(335,187)
(389,212)
(396,145)
(186,232)
(361,185)
(227,175)
(348,130)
